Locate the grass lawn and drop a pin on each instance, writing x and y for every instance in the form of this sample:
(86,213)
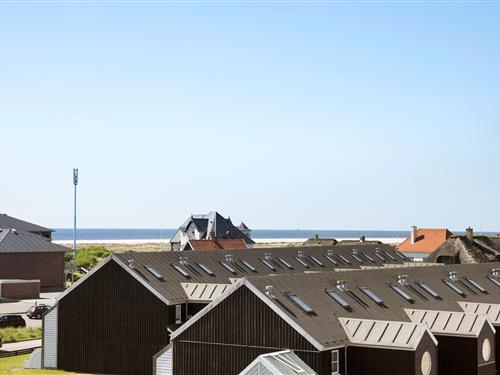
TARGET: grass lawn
(15,365)
(20,334)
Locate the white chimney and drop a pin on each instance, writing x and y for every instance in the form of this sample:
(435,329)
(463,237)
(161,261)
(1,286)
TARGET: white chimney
(413,234)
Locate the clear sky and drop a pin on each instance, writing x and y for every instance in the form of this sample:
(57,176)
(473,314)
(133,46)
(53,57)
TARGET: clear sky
(319,116)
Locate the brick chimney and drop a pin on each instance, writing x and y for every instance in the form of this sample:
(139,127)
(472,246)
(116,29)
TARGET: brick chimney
(469,232)
(362,239)
(413,234)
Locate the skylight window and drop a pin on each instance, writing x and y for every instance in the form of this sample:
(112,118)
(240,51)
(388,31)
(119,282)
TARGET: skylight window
(337,298)
(453,287)
(302,261)
(372,296)
(494,280)
(428,289)
(401,255)
(317,261)
(228,267)
(369,258)
(181,270)
(248,265)
(285,263)
(402,293)
(389,255)
(357,257)
(330,259)
(205,269)
(268,264)
(476,285)
(380,257)
(344,259)
(301,304)
(154,272)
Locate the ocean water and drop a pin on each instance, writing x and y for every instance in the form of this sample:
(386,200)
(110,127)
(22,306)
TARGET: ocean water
(148,234)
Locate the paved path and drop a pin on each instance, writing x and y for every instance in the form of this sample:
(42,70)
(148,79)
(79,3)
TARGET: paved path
(21,306)
(12,347)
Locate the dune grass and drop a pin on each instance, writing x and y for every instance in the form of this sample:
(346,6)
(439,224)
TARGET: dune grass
(15,365)
(20,334)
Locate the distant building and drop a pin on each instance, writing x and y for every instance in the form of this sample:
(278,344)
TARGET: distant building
(317,241)
(244,229)
(424,240)
(211,226)
(10,222)
(207,245)
(26,256)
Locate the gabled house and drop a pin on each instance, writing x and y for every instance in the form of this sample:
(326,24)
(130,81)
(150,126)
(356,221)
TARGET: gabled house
(211,226)
(424,240)
(10,222)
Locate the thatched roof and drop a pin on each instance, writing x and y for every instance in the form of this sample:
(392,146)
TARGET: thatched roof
(464,250)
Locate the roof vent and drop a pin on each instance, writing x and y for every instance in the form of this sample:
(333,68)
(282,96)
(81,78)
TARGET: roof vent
(355,251)
(495,272)
(300,254)
(269,291)
(229,257)
(267,255)
(403,279)
(453,275)
(183,260)
(14,231)
(329,252)
(341,285)
(131,263)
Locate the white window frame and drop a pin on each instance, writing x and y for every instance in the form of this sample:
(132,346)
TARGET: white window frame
(178,314)
(335,361)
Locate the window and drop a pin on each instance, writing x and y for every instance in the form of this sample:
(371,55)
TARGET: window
(268,264)
(178,314)
(330,259)
(317,261)
(248,265)
(389,255)
(228,267)
(357,257)
(372,296)
(428,289)
(453,287)
(302,261)
(402,293)
(369,258)
(285,263)
(301,304)
(380,256)
(345,259)
(181,270)
(206,269)
(401,255)
(494,280)
(337,298)
(476,285)
(335,362)
(154,272)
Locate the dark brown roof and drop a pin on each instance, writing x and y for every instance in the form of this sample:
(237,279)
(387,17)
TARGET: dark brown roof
(10,222)
(16,241)
(219,244)
(480,250)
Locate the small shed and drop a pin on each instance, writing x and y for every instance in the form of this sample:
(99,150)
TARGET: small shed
(389,347)
(284,362)
(466,341)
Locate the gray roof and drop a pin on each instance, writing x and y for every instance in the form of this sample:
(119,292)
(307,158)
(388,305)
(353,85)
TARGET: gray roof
(16,241)
(10,222)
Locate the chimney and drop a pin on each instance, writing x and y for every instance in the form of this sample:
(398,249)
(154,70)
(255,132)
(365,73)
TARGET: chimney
(300,254)
(316,236)
(413,234)
(229,257)
(403,279)
(362,239)
(211,236)
(341,285)
(469,232)
(269,291)
(131,263)
(453,275)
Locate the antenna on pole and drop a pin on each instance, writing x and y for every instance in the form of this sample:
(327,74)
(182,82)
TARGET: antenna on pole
(75,183)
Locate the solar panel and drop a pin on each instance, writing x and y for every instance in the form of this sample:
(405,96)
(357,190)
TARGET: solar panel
(285,263)
(228,267)
(357,257)
(268,264)
(154,272)
(317,261)
(330,259)
(428,289)
(248,265)
(181,271)
(337,298)
(344,259)
(372,296)
(302,261)
(205,269)
(301,304)
(402,293)
(453,287)
(494,280)
(476,285)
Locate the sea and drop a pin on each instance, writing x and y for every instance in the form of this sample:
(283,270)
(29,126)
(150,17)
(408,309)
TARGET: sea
(64,234)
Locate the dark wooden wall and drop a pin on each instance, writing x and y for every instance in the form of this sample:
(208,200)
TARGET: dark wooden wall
(234,333)
(363,361)
(426,345)
(47,267)
(489,367)
(110,324)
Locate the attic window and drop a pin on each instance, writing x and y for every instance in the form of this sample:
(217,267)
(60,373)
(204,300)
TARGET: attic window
(494,280)
(344,259)
(206,269)
(285,263)
(372,296)
(228,267)
(268,264)
(330,259)
(476,285)
(181,270)
(302,261)
(390,256)
(301,304)
(337,298)
(428,289)
(248,265)
(369,258)
(453,287)
(380,256)
(154,272)
(317,261)
(357,257)
(402,293)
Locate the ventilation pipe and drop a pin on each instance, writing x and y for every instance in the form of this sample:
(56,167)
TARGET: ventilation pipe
(403,279)
(453,275)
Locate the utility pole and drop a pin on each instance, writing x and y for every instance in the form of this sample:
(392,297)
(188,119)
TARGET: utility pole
(75,183)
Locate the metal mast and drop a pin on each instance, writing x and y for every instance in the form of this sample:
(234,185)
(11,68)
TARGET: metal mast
(75,182)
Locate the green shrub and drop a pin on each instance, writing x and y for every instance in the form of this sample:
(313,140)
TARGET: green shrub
(89,256)
(20,334)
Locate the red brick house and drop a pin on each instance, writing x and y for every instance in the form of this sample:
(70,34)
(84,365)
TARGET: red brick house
(424,240)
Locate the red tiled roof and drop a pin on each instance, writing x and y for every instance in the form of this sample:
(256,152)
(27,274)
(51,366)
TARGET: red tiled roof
(427,241)
(206,245)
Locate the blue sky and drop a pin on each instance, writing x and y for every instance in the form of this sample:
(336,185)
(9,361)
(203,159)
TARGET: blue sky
(320,116)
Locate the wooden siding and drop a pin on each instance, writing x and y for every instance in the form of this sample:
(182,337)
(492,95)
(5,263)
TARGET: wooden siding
(362,361)
(46,267)
(234,333)
(111,324)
